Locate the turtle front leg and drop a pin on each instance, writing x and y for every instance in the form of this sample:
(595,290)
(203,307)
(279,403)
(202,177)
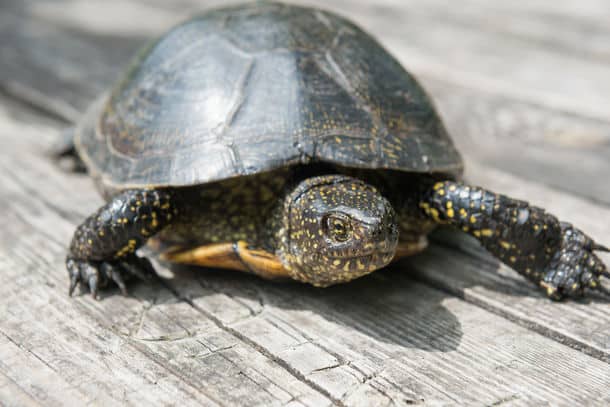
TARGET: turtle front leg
(103,247)
(553,254)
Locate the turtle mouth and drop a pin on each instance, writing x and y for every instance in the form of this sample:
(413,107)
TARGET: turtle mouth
(379,254)
(365,263)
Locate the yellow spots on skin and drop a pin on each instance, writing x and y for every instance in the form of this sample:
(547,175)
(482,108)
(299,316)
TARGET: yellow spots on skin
(465,228)
(528,270)
(360,265)
(165,206)
(89,242)
(505,244)
(347,265)
(449,204)
(441,192)
(132,208)
(463,212)
(101,233)
(593,284)
(438,186)
(487,232)
(477,233)
(473,219)
(130,247)
(574,286)
(536,227)
(512,259)
(450,213)
(452,188)
(336,262)
(483,207)
(144,232)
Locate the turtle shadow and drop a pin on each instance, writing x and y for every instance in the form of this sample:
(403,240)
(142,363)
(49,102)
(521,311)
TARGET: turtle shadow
(385,306)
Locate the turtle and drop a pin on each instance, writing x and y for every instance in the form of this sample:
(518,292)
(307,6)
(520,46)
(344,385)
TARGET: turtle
(286,142)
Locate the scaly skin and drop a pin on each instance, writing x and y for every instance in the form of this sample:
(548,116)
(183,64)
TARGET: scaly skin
(329,229)
(552,254)
(103,247)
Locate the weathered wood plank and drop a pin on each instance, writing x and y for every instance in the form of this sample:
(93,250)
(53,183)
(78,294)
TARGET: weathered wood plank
(503,132)
(385,335)
(563,150)
(22,372)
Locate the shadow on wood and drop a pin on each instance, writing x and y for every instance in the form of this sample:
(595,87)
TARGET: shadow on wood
(385,306)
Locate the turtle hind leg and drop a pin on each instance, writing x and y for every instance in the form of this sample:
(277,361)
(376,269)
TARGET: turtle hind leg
(64,152)
(553,254)
(233,256)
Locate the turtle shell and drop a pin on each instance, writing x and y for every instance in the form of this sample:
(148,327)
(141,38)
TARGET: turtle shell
(256,87)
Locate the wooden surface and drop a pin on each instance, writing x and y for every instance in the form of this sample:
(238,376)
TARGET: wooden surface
(524,89)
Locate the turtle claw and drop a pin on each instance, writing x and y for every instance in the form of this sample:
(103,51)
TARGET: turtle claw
(97,275)
(74,272)
(93,286)
(575,268)
(115,274)
(139,267)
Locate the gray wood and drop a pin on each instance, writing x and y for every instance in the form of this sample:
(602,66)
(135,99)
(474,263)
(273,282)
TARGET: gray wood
(221,337)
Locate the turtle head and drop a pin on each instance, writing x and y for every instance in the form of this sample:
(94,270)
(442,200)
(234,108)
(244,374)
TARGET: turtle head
(336,228)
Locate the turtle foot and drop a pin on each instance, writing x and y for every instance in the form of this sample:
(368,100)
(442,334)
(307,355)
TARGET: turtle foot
(96,275)
(574,268)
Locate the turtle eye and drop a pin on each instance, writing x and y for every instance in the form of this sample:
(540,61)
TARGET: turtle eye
(338,227)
